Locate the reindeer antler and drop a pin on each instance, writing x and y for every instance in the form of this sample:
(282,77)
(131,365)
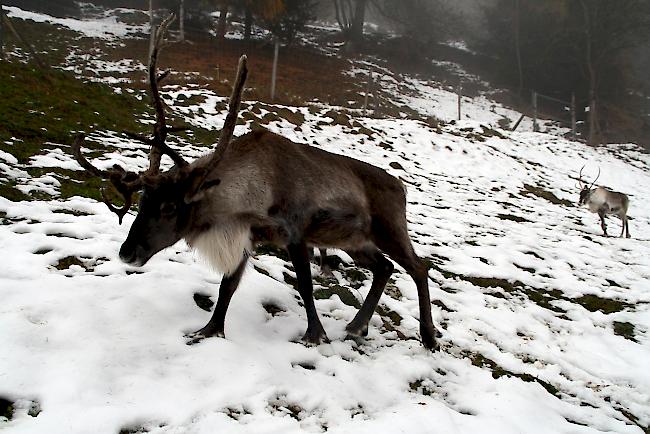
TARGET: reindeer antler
(580,183)
(231,119)
(597,176)
(126,183)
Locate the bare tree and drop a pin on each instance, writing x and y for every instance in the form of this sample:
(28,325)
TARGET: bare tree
(350,14)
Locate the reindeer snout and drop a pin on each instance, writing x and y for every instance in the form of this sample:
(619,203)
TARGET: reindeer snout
(133,255)
(127,254)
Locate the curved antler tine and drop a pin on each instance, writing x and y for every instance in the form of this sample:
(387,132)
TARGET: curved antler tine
(597,176)
(233,108)
(158,146)
(76,151)
(581,184)
(121,212)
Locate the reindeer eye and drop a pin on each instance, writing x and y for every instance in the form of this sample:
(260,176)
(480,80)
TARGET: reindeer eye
(167,208)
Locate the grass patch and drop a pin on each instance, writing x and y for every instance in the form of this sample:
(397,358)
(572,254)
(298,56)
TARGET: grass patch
(49,106)
(547,195)
(9,191)
(68,261)
(344,294)
(514,218)
(594,303)
(498,371)
(624,329)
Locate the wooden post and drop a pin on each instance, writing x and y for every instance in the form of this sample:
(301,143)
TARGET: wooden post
(275,67)
(574,129)
(592,120)
(365,96)
(518,122)
(181,23)
(535,126)
(460,95)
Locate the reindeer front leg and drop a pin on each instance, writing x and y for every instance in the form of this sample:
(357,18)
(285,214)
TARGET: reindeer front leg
(601,214)
(215,327)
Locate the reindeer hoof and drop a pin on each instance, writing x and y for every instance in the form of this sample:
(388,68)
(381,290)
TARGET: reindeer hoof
(428,335)
(199,335)
(315,338)
(356,332)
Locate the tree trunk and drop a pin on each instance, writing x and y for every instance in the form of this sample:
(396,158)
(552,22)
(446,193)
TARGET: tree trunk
(248,23)
(518,47)
(221,24)
(356,28)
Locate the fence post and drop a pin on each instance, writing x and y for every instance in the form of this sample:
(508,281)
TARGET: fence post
(275,67)
(574,129)
(460,94)
(365,96)
(535,127)
(592,119)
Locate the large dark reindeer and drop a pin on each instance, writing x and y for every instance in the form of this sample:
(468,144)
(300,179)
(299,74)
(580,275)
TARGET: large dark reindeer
(263,188)
(604,202)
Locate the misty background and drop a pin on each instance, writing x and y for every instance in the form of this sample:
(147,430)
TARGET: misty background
(591,53)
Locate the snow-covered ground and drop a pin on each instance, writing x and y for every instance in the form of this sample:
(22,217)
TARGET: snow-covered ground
(545,322)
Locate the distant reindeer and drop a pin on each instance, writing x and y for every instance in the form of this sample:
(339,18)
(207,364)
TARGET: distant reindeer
(604,202)
(264,188)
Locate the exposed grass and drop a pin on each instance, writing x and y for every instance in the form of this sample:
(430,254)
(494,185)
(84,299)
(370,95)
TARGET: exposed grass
(624,329)
(68,261)
(50,106)
(498,371)
(344,294)
(594,303)
(544,194)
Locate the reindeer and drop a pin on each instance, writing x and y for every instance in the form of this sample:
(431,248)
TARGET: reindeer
(604,202)
(264,188)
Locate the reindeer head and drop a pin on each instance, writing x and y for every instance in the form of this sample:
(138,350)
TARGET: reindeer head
(585,191)
(168,199)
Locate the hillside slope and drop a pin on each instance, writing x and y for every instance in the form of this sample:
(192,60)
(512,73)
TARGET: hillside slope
(545,322)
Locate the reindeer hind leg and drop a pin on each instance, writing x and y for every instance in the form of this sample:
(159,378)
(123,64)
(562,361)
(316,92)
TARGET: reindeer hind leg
(392,238)
(381,269)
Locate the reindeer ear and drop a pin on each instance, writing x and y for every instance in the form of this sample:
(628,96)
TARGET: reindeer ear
(198,185)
